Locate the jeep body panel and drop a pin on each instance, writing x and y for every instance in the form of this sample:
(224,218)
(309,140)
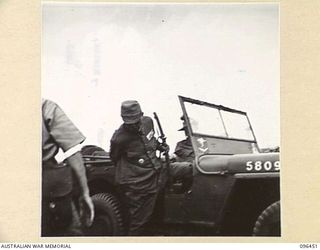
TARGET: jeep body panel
(232,181)
(214,198)
(100,172)
(200,205)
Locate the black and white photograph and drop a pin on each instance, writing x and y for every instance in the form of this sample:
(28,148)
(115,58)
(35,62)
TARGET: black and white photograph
(160,119)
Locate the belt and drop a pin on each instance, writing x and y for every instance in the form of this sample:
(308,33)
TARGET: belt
(135,161)
(147,164)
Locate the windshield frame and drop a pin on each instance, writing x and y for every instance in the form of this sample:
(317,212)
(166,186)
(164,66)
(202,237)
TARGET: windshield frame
(219,108)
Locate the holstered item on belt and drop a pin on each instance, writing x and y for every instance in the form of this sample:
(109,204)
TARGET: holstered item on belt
(56,180)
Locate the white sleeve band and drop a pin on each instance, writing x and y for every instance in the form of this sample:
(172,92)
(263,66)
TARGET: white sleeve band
(72,151)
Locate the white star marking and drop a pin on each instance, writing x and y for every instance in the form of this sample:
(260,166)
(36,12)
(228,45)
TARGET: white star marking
(201,141)
(203,149)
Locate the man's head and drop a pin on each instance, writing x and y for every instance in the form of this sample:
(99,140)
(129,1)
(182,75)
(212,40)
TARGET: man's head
(131,114)
(184,124)
(193,123)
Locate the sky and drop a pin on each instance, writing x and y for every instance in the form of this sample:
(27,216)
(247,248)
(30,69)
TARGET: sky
(94,56)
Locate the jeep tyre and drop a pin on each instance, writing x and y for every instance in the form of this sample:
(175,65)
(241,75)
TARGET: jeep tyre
(268,223)
(108,220)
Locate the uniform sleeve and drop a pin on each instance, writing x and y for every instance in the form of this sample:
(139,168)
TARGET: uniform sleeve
(178,149)
(60,127)
(115,148)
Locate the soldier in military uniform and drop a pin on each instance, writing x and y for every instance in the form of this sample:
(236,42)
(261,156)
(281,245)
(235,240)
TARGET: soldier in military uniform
(59,214)
(133,150)
(139,172)
(184,151)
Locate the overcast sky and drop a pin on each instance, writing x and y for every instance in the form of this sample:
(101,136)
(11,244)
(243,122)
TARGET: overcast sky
(94,56)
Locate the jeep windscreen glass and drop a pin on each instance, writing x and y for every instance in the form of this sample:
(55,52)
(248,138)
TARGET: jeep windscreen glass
(205,120)
(237,126)
(211,121)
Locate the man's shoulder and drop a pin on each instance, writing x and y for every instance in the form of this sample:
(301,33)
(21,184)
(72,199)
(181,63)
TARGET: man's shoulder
(49,108)
(61,128)
(183,145)
(147,122)
(183,142)
(48,103)
(119,135)
(146,119)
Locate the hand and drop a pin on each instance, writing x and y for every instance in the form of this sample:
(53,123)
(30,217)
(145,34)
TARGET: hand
(165,147)
(172,158)
(86,210)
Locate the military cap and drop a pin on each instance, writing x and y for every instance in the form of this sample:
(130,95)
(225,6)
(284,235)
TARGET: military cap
(131,112)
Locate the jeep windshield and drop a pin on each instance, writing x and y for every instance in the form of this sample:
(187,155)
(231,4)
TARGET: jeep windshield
(216,129)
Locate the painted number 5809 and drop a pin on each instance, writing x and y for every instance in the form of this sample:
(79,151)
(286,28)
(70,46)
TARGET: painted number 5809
(259,166)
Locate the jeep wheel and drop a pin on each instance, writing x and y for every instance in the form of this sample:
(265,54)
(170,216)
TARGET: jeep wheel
(268,223)
(108,220)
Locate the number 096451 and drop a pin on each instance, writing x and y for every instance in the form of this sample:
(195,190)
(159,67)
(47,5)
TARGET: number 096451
(308,245)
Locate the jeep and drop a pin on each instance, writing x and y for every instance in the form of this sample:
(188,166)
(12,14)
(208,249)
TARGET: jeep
(235,189)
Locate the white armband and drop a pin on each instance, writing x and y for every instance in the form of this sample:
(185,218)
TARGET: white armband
(72,151)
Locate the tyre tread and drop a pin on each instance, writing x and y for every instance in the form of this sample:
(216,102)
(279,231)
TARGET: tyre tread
(264,217)
(113,202)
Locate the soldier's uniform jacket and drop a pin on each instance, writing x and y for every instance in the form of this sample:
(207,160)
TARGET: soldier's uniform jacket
(134,154)
(184,151)
(57,132)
